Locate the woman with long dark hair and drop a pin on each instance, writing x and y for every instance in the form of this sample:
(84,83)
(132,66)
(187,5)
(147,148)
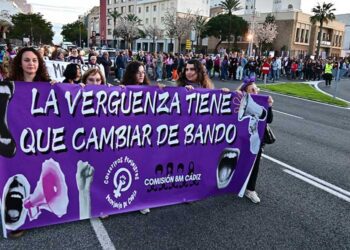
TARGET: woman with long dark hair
(193,76)
(29,66)
(135,74)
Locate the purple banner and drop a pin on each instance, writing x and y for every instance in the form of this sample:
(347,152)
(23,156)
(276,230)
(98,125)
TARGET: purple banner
(70,153)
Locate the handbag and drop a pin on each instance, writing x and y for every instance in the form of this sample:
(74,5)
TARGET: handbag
(269,136)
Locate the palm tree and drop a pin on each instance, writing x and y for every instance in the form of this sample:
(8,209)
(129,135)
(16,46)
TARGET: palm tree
(115,15)
(199,27)
(230,6)
(322,14)
(133,22)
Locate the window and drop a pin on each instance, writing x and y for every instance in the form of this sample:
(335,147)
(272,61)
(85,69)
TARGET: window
(109,2)
(162,6)
(147,9)
(323,37)
(109,21)
(307,36)
(109,10)
(116,1)
(139,9)
(340,40)
(302,35)
(116,9)
(297,35)
(123,1)
(109,31)
(131,8)
(154,7)
(122,9)
(162,19)
(146,21)
(154,20)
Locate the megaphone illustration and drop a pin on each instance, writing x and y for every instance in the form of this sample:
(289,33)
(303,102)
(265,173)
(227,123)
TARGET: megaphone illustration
(226,167)
(7,143)
(249,108)
(51,192)
(16,190)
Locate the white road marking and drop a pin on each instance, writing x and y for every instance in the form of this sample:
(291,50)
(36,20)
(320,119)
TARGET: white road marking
(317,182)
(102,234)
(314,183)
(295,116)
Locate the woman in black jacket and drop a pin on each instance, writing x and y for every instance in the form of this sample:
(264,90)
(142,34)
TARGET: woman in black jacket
(250,87)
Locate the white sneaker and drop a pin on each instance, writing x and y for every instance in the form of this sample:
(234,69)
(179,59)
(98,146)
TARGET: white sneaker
(252,195)
(145,211)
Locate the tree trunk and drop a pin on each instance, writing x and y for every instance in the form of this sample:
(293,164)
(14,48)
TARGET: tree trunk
(217,45)
(319,40)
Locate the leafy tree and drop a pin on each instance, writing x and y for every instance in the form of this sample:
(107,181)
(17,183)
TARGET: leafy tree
(270,18)
(115,15)
(74,32)
(180,25)
(127,28)
(218,27)
(33,26)
(154,32)
(264,34)
(322,14)
(199,27)
(230,6)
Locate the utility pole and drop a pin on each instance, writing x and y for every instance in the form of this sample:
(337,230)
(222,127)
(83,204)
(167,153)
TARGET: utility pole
(80,34)
(31,32)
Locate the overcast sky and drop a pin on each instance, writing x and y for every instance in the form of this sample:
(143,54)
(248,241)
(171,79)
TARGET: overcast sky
(67,11)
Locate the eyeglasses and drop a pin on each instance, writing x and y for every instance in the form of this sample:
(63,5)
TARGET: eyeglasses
(190,69)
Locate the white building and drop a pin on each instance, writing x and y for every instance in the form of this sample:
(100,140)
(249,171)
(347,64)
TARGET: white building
(8,8)
(263,6)
(345,19)
(152,13)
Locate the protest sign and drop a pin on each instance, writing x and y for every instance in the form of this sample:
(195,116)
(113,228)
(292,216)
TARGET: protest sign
(70,153)
(56,69)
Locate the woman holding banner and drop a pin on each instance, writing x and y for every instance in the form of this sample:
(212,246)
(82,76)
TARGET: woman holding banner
(250,87)
(135,74)
(93,76)
(28,66)
(193,76)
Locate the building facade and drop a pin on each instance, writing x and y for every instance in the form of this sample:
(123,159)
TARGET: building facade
(9,8)
(297,36)
(93,27)
(151,13)
(345,19)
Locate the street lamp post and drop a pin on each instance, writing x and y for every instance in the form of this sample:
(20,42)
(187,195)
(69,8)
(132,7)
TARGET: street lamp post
(252,33)
(80,34)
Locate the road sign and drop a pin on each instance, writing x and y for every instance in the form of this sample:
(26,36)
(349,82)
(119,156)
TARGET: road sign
(188,44)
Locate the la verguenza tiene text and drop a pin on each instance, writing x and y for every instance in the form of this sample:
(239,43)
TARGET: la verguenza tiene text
(136,103)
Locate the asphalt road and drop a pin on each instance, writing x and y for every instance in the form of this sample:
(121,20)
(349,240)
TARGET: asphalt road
(304,185)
